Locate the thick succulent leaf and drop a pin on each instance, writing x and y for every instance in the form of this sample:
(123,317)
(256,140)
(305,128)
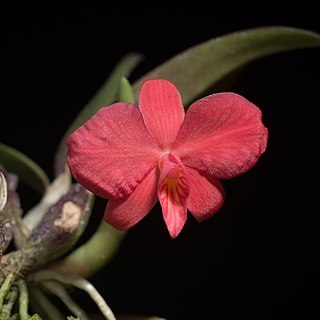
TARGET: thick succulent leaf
(104,96)
(199,68)
(27,170)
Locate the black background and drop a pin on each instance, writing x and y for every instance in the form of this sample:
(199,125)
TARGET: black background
(255,258)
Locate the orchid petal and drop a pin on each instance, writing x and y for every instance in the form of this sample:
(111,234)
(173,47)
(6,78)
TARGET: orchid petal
(222,135)
(206,195)
(125,213)
(112,152)
(162,111)
(173,191)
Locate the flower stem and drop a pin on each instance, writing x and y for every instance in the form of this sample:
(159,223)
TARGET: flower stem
(78,282)
(5,287)
(63,295)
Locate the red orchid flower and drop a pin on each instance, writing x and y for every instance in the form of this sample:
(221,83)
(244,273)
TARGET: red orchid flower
(137,156)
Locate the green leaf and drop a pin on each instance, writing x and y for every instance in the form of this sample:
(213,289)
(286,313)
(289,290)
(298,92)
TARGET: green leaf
(199,68)
(125,91)
(27,170)
(104,96)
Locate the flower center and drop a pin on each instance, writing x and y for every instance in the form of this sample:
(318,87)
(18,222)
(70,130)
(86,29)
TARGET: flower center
(169,164)
(173,173)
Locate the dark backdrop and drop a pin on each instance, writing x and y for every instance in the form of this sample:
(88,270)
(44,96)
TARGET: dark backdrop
(255,258)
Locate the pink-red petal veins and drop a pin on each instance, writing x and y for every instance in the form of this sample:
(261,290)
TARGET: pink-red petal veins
(112,152)
(222,135)
(125,213)
(206,195)
(162,110)
(173,192)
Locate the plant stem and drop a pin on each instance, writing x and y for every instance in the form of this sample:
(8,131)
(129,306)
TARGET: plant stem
(78,282)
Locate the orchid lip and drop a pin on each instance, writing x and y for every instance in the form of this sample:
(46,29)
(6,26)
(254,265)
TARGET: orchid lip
(173,192)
